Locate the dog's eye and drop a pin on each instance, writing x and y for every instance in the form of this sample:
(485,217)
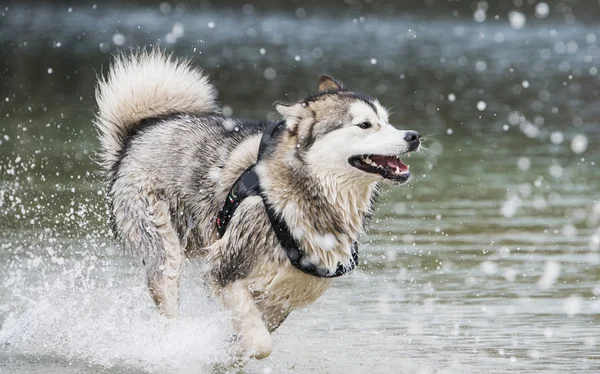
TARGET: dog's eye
(364,125)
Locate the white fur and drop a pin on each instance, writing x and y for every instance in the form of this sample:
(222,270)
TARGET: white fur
(381,111)
(381,139)
(142,85)
(362,112)
(326,248)
(254,338)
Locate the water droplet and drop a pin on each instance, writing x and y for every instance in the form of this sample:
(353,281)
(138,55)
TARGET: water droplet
(118,39)
(479,15)
(573,305)
(517,20)
(550,275)
(248,9)
(165,8)
(270,73)
(555,171)
(178,30)
(480,65)
(579,143)
(524,163)
(542,10)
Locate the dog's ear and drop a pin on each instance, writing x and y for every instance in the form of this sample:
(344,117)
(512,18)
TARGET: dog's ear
(293,113)
(327,83)
(292,110)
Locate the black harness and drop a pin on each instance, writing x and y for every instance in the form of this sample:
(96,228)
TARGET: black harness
(248,185)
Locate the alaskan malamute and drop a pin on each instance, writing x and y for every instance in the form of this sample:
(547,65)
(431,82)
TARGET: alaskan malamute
(275,210)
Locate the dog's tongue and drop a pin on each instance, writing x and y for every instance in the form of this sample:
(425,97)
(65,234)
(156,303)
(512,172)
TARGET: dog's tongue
(390,161)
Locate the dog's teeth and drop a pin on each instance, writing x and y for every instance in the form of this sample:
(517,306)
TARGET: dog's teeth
(367,160)
(398,171)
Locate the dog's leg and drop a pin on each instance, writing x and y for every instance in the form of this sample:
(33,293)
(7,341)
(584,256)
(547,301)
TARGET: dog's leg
(144,218)
(163,275)
(253,337)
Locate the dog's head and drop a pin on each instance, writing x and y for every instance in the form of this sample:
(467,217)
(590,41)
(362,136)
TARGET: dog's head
(347,134)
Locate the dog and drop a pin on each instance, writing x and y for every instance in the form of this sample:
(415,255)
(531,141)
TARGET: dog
(273,209)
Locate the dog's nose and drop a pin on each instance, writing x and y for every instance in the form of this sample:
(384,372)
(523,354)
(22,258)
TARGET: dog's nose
(412,138)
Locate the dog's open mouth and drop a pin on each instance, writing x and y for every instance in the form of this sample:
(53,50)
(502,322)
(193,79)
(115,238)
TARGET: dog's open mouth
(389,167)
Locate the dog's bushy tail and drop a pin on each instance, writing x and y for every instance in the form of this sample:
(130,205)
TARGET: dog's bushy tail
(145,84)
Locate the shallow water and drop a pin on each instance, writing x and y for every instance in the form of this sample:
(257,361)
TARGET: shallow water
(487,262)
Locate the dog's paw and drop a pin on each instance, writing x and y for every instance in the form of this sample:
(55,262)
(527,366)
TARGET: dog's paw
(256,344)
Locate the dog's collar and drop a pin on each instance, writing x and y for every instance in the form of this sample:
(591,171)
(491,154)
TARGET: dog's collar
(248,184)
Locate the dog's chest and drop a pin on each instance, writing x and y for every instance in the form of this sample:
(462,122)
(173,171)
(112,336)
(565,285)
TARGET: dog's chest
(280,289)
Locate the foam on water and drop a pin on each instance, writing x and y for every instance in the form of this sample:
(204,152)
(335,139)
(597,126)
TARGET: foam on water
(82,313)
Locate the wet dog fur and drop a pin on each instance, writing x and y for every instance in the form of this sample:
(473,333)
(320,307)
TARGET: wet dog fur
(170,157)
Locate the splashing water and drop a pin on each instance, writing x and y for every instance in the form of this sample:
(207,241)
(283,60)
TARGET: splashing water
(75,312)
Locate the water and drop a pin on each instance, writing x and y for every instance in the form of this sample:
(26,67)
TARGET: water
(487,262)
